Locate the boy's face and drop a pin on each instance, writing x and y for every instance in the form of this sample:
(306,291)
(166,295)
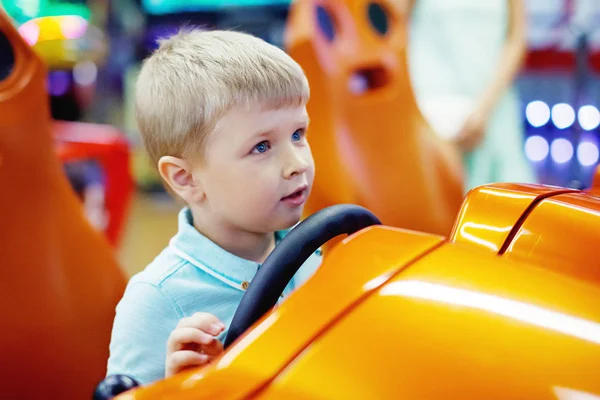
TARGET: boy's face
(258,169)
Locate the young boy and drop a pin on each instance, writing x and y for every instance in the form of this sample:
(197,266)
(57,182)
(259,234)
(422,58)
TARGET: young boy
(223,116)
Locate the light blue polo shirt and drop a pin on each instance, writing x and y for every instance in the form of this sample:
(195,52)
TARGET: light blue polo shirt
(192,274)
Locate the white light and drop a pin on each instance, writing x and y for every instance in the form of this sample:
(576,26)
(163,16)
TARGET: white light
(85,73)
(537,113)
(527,313)
(587,154)
(563,115)
(561,150)
(536,148)
(589,117)
(571,394)
(72,26)
(30,32)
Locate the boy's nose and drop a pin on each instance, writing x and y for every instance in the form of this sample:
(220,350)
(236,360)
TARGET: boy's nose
(295,164)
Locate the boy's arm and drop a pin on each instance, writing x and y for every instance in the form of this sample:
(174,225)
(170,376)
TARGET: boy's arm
(144,320)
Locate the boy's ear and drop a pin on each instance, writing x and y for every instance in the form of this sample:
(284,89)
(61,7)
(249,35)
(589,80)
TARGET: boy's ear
(177,173)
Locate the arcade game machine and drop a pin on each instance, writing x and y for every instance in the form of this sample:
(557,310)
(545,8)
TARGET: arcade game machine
(69,38)
(559,87)
(66,37)
(263,18)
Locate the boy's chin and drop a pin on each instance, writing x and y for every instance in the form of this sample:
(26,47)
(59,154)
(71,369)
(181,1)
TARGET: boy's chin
(289,221)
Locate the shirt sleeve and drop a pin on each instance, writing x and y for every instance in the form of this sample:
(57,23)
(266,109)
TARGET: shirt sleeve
(144,319)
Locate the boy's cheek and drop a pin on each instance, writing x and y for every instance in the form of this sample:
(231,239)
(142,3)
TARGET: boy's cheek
(310,160)
(311,169)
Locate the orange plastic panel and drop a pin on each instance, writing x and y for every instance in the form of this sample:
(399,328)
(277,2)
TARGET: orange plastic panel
(561,234)
(595,188)
(374,148)
(347,275)
(491,212)
(458,324)
(60,281)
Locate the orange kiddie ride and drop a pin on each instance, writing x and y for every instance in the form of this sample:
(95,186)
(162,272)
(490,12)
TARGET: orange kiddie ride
(507,308)
(60,282)
(370,142)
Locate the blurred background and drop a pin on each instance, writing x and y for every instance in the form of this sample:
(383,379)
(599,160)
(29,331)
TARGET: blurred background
(93,68)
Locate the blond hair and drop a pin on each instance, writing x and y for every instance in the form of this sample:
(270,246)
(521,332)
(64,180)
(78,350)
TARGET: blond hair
(195,76)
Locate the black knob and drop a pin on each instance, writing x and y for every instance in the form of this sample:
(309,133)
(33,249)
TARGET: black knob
(114,385)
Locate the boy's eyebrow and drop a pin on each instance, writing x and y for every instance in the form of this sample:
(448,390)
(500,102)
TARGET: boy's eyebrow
(259,134)
(303,121)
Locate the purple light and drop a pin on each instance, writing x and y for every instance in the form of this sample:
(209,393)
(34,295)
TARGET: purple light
(59,82)
(85,73)
(561,150)
(587,153)
(536,148)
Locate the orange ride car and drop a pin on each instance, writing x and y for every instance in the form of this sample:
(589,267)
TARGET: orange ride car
(507,307)
(371,144)
(60,280)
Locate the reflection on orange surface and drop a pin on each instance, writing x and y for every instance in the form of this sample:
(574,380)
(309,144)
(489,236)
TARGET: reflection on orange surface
(562,233)
(530,314)
(60,283)
(563,393)
(371,145)
(490,213)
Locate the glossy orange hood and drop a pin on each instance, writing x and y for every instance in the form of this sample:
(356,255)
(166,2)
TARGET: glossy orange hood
(458,324)
(395,314)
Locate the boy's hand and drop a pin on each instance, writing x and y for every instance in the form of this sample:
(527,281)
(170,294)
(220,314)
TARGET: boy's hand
(193,343)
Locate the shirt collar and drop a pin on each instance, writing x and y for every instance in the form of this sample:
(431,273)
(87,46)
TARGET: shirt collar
(203,253)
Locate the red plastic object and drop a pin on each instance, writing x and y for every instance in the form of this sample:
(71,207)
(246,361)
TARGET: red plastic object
(77,141)
(554,57)
(594,60)
(549,59)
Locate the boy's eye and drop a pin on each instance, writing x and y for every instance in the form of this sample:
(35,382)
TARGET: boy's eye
(261,147)
(296,136)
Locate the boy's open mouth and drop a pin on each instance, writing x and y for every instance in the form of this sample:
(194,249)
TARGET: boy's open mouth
(296,198)
(366,79)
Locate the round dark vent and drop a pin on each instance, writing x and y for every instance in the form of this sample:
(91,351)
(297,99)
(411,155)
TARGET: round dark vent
(7,57)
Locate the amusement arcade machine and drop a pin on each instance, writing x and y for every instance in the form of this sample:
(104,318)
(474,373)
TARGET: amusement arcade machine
(559,87)
(65,35)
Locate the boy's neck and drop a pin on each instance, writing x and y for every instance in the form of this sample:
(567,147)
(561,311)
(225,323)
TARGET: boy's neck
(247,245)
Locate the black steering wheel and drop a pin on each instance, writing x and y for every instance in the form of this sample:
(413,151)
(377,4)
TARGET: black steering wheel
(274,275)
(289,255)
